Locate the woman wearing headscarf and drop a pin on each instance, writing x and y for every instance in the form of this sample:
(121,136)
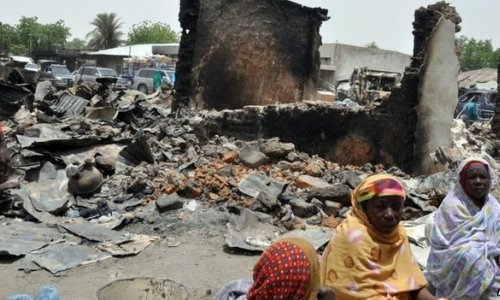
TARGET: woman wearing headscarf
(288,269)
(463,262)
(369,255)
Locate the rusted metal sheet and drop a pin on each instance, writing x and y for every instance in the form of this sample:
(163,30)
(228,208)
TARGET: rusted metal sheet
(70,106)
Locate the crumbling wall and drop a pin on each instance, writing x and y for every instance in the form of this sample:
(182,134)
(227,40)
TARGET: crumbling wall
(438,94)
(383,133)
(248,52)
(340,134)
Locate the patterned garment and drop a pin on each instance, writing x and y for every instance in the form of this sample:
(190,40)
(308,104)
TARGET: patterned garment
(235,290)
(464,241)
(288,269)
(361,263)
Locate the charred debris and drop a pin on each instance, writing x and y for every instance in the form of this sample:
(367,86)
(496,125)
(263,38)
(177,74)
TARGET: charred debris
(87,161)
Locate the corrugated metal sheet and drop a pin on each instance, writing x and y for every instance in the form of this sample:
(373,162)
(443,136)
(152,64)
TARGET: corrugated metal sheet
(19,237)
(481,76)
(70,105)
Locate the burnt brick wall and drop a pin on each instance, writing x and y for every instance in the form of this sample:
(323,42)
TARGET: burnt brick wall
(247,52)
(384,133)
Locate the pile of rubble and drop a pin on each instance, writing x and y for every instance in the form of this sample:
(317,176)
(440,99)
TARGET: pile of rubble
(88,161)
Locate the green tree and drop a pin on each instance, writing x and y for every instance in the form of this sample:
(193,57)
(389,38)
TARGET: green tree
(10,41)
(76,44)
(477,54)
(106,33)
(372,45)
(29,35)
(148,32)
(41,36)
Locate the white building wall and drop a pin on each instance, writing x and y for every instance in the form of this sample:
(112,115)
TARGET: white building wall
(341,59)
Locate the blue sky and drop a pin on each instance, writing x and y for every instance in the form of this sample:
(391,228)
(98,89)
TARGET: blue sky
(355,22)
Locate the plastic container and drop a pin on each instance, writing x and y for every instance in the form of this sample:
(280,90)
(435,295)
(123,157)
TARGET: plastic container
(47,292)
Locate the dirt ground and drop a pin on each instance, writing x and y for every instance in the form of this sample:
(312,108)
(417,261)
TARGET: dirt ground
(200,262)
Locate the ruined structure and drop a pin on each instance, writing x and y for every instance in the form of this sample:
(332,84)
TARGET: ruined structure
(403,130)
(246,52)
(438,86)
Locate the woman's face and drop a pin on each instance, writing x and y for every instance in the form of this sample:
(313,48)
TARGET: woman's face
(477,184)
(384,213)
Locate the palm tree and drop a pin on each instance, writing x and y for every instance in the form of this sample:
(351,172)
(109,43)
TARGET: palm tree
(106,33)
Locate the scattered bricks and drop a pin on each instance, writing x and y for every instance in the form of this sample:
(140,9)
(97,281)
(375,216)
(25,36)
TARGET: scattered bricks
(252,158)
(332,208)
(330,222)
(306,181)
(189,189)
(302,209)
(169,202)
(276,149)
(314,170)
(229,157)
(296,166)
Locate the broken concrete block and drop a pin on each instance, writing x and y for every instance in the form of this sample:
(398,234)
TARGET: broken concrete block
(313,169)
(252,158)
(169,202)
(302,209)
(283,165)
(229,157)
(306,181)
(325,96)
(338,192)
(332,208)
(275,148)
(267,200)
(44,90)
(351,178)
(190,189)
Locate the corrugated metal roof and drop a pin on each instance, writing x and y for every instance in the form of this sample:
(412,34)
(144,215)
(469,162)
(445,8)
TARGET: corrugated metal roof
(480,76)
(70,105)
(140,50)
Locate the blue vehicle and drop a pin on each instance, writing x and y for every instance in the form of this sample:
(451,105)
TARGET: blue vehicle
(485,101)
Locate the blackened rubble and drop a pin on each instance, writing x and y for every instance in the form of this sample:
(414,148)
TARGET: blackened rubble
(278,168)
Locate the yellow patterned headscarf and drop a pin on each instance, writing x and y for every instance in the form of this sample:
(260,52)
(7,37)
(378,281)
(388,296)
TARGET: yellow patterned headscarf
(361,263)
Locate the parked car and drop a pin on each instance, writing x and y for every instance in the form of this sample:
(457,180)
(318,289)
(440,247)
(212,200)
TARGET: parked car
(143,80)
(33,67)
(58,75)
(123,83)
(91,73)
(485,100)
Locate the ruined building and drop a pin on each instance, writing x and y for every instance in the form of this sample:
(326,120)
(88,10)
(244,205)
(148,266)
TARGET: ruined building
(403,130)
(247,52)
